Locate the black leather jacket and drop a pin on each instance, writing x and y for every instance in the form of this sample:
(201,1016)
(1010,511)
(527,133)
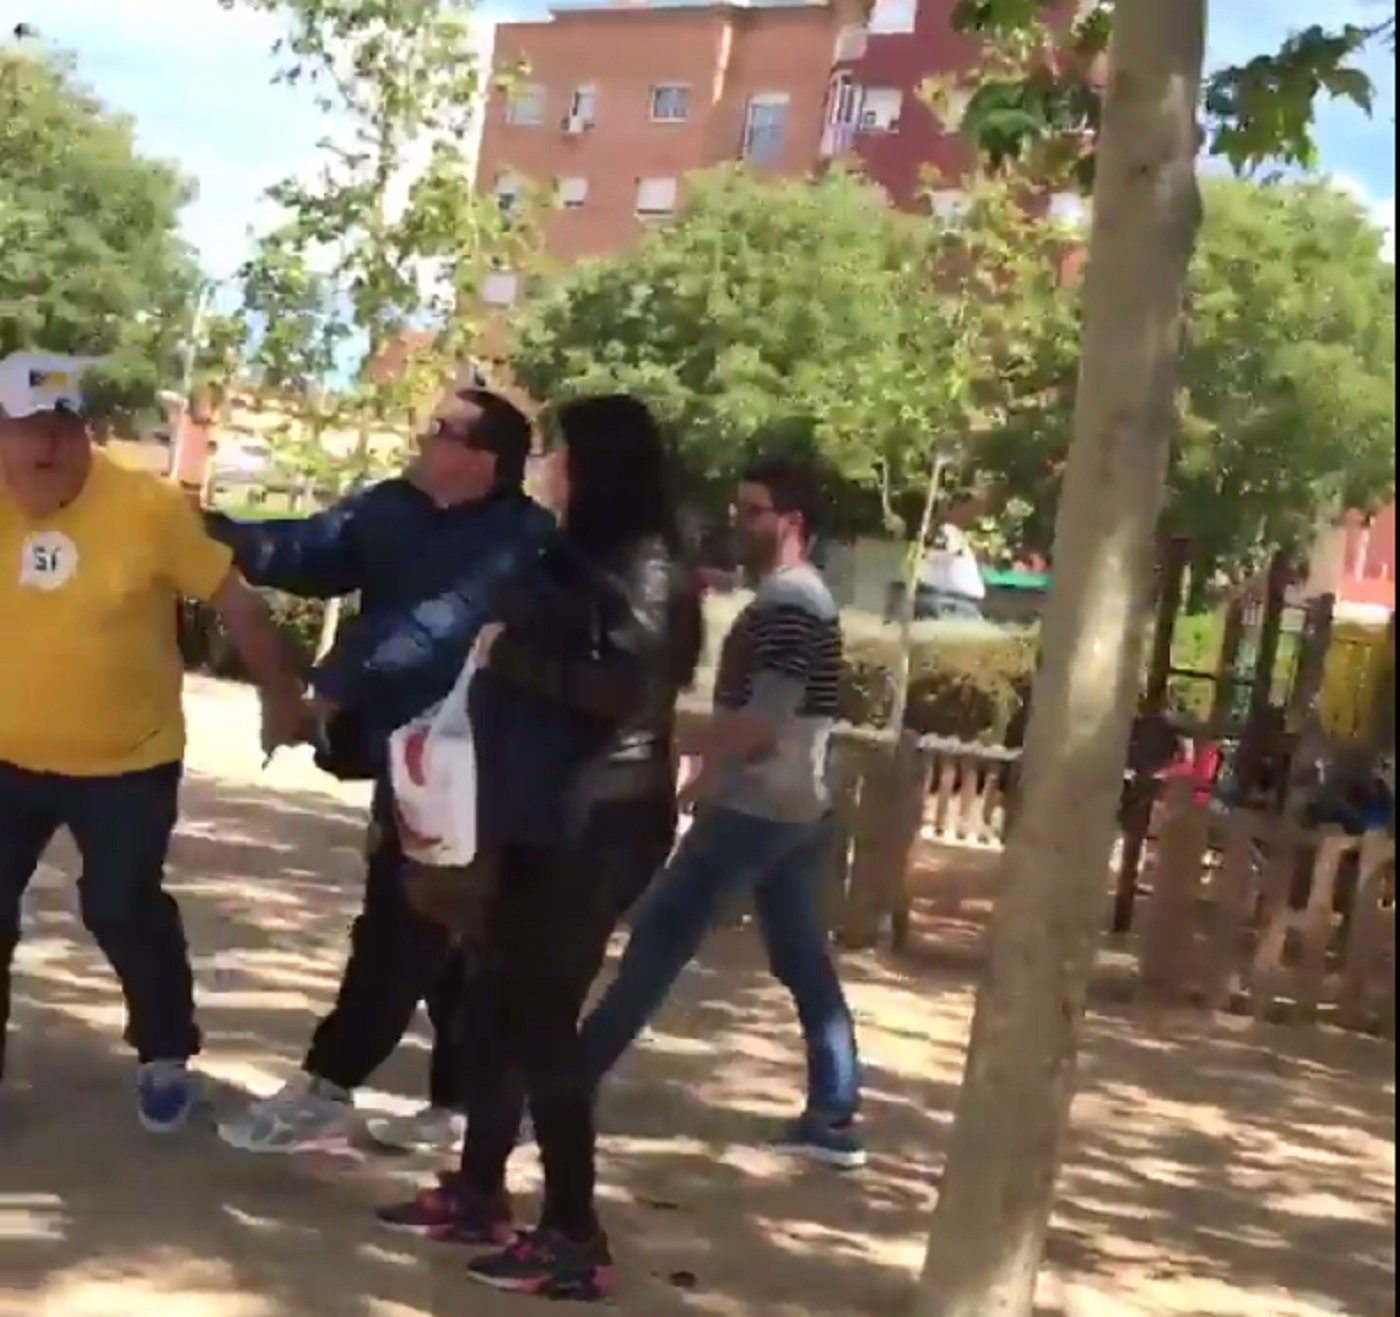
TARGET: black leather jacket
(577,704)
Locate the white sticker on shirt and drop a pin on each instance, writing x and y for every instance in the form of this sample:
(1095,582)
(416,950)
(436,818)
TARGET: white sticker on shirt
(48,561)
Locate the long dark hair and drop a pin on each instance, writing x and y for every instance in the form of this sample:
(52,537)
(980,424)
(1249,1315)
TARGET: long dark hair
(619,483)
(620,495)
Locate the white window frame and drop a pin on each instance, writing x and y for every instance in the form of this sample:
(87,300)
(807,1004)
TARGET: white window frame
(573,191)
(657,197)
(881,109)
(583,104)
(893,18)
(500,288)
(765,101)
(507,190)
(526,104)
(681,90)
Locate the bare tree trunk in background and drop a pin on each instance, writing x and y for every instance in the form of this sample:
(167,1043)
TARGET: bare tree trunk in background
(992,1220)
(904,666)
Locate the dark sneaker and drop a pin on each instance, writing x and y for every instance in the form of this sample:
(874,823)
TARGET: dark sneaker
(449,1213)
(549,1266)
(166,1094)
(836,1145)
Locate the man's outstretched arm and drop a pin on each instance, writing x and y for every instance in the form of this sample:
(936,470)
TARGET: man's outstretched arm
(267,659)
(312,557)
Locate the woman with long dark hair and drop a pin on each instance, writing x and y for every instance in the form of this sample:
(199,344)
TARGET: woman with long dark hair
(573,713)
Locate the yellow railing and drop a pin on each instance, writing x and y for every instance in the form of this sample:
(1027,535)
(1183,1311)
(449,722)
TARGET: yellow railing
(1359,665)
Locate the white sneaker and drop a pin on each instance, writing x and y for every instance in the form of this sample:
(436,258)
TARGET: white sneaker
(306,1116)
(433,1129)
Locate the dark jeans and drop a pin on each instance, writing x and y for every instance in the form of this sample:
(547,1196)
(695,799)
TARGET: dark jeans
(122,827)
(545,940)
(397,959)
(724,855)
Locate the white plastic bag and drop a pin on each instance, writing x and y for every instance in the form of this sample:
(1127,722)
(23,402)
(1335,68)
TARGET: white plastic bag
(432,765)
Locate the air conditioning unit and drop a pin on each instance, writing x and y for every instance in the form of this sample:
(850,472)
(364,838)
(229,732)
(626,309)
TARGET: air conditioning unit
(574,125)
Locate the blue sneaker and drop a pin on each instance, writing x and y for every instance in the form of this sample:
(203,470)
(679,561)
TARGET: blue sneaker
(834,1144)
(165,1095)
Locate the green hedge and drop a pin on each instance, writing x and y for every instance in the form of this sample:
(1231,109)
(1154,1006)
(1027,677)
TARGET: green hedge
(964,688)
(206,647)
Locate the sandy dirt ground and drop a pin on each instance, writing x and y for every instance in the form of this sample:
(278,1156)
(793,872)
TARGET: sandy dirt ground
(1217,1168)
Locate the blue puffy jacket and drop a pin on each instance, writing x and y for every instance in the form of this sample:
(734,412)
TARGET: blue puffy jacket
(427,577)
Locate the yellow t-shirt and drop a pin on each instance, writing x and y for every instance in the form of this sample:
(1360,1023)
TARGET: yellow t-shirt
(90,668)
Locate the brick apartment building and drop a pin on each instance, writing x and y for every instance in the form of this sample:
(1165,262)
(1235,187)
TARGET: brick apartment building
(619,102)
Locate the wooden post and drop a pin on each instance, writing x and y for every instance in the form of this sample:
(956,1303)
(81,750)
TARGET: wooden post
(1234,899)
(1175,558)
(1364,965)
(1168,936)
(1227,670)
(1312,661)
(1317,926)
(1270,633)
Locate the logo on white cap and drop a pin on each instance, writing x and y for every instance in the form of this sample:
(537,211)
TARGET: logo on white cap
(35,382)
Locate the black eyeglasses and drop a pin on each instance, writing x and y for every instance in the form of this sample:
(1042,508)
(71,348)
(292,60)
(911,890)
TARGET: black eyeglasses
(457,433)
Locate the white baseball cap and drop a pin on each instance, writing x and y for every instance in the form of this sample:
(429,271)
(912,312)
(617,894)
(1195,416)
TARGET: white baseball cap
(36,382)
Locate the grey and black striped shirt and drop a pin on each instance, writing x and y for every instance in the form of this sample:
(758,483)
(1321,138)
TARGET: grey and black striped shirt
(783,658)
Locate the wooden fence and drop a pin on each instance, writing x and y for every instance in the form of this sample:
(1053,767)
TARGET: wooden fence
(889,795)
(1254,912)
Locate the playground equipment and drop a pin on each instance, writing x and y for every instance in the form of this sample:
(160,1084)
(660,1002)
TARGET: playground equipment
(1286,675)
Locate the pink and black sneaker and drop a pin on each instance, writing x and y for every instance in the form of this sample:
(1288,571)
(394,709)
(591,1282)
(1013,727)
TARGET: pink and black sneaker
(450,1213)
(549,1266)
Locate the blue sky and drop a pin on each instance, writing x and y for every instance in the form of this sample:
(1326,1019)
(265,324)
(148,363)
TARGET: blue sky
(196,80)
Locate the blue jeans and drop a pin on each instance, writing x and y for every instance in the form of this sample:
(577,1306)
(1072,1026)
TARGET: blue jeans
(783,865)
(122,827)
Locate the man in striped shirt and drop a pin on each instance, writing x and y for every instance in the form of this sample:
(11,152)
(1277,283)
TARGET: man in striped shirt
(762,817)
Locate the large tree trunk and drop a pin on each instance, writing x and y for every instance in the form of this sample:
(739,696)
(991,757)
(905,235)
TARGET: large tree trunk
(993,1215)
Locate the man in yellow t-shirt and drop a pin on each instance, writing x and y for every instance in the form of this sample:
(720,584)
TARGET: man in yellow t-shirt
(93,561)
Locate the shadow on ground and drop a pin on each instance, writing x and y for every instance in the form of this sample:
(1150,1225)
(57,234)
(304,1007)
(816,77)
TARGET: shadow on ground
(1217,1168)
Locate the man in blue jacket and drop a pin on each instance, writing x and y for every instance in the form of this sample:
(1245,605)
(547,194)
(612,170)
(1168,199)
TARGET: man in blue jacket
(426,553)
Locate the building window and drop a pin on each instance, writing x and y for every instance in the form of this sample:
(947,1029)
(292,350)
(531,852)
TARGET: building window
(880,109)
(950,205)
(670,103)
(656,197)
(894,17)
(525,105)
(765,129)
(583,108)
(842,111)
(507,191)
(500,288)
(573,192)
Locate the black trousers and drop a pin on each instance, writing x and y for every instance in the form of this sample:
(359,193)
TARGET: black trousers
(397,959)
(545,939)
(122,826)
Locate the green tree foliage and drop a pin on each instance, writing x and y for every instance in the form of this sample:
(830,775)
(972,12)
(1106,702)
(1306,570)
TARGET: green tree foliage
(1288,374)
(811,316)
(91,261)
(767,315)
(1287,380)
(385,249)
